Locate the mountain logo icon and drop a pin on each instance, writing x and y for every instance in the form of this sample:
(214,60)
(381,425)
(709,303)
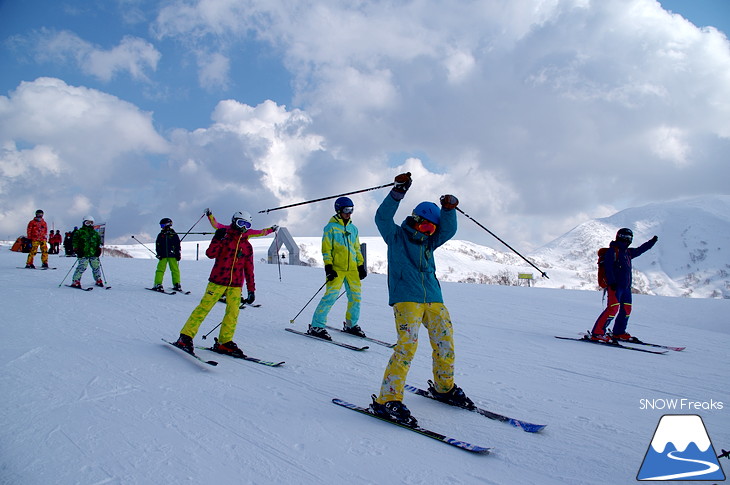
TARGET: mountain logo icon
(680,450)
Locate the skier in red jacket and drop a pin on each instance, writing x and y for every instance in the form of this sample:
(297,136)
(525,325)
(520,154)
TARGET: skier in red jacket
(38,234)
(233,256)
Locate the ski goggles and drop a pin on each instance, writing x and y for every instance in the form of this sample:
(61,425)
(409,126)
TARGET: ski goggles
(625,237)
(168,224)
(242,224)
(347,210)
(88,223)
(424,226)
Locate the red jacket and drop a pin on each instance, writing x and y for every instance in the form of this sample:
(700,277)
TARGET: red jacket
(233,256)
(37,230)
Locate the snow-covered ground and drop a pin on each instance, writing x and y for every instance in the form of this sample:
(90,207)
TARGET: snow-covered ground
(91,395)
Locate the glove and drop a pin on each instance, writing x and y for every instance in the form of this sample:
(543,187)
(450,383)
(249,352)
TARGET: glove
(251,297)
(219,234)
(449,202)
(208,212)
(329,272)
(613,287)
(403,182)
(97,253)
(274,227)
(362,272)
(178,257)
(655,239)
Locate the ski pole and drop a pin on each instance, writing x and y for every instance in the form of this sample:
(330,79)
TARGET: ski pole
(500,240)
(276,245)
(148,249)
(206,335)
(101,267)
(310,301)
(191,227)
(327,198)
(69,272)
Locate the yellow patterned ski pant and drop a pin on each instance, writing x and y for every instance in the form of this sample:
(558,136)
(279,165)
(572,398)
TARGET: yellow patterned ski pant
(408,319)
(213,293)
(35,245)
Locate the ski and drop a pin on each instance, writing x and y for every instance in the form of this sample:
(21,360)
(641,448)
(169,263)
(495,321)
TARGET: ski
(613,344)
(524,425)
(244,305)
(163,291)
(40,269)
(369,339)
(341,344)
(634,340)
(80,288)
(209,362)
(418,429)
(250,359)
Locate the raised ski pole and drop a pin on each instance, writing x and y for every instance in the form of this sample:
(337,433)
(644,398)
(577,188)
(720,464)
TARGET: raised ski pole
(326,198)
(500,240)
(191,227)
(310,301)
(143,244)
(69,272)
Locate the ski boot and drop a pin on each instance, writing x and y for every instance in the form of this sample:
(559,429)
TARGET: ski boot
(394,411)
(454,397)
(228,348)
(354,330)
(185,343)
(319,332)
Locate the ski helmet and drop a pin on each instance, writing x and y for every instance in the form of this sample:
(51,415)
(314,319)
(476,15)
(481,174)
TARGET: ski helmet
(428,211)
(625,234)
(89,219)
(165,221)
(342,203)
(242,220)
(39,212)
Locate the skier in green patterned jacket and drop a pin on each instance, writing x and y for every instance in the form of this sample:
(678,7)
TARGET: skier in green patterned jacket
(343,264)
(87,246)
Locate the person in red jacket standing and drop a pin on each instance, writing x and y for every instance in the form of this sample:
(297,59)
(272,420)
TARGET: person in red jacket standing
(38,234)
(233,256)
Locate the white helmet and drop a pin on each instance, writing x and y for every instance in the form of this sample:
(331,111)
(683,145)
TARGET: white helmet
(88,218)
(242,220)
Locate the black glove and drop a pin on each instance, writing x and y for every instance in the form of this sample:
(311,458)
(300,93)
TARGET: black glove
(331,273)
(97,253)
(219,234)
(613,287)
(178,257)
(403,182)
(449,202)
(655,239)
(251,297)
(362,272)
(208,212)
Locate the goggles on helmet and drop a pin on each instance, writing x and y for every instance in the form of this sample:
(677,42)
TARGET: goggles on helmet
(347,210)
(242,223)
(88,223)
(424,225)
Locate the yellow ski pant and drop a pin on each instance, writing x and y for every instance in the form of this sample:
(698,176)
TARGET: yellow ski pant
(408,318)
(213,293)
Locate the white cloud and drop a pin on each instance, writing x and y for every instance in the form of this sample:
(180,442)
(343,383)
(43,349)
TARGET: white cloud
(132,55)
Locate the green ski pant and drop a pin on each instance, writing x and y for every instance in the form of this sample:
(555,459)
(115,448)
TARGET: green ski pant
(174,270)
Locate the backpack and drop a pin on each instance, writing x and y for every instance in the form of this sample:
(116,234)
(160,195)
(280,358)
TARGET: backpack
(601,269)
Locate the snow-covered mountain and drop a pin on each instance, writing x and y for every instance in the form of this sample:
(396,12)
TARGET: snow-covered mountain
(691,258)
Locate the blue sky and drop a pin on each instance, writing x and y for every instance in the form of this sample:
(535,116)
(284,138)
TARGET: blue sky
(538,115)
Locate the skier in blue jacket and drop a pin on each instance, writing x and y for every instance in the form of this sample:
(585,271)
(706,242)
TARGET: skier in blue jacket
(617,266)
(415,295)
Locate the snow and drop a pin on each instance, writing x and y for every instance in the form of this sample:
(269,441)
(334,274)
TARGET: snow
(91,395)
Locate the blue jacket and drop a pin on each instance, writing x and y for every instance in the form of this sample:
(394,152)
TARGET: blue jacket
(617,262)
(411,268)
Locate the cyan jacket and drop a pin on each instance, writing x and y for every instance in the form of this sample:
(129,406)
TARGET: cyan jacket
(341,245)
(411,267)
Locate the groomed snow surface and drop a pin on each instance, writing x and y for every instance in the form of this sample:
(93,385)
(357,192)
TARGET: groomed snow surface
(91,395)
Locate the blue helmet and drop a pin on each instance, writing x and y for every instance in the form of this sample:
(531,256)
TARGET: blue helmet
(429,211)
(343,202)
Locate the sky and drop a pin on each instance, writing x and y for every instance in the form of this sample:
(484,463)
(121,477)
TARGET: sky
(537,115)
